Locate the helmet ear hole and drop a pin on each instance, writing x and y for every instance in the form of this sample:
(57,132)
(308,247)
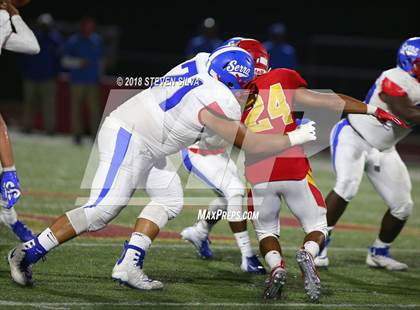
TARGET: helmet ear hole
(229,84)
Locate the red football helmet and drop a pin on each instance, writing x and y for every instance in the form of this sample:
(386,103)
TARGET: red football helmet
(258,53)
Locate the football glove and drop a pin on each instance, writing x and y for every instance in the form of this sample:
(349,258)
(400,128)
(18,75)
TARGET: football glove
(384,116)
(304,133)
(10,188)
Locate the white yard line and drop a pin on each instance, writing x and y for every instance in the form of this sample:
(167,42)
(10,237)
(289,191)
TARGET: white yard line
(57,305)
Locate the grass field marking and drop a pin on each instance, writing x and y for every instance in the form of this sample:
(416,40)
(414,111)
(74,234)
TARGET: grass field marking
(216,247)
(57,305)
(230,247)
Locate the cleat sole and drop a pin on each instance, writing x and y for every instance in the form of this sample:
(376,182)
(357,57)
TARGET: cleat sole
(275,285)
(312,283)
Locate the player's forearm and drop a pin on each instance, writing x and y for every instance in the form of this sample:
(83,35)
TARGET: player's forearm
(237,134)
(268,144)
(6,154)
(9,7)
(353,106)
(337,102)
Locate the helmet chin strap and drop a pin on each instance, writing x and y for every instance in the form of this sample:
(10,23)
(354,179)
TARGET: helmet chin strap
(240,81)
(415,72)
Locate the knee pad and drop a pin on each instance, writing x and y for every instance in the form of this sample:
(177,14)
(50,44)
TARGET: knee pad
(90,219)
(235,209)
(219,203)
(347,188)
(262,235)
(77,218)
(235,188)
(156,213)
(173,207)
(403,211)
(172,203)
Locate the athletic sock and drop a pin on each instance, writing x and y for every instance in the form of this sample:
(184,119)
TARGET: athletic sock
(38,247)
(380,244)
(244,243)
(140,240)
(139,244)
(203,228)
(47,240)
(312,247)
(273,259)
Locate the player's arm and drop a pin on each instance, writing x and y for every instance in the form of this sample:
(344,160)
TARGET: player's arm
(340,102)
(402,107)
(337,102)
(23,40)
(236,133)
(6,154)
(9,182)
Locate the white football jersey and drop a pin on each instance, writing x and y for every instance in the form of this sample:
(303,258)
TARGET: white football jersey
(385,136)
(5,27)
(166,115)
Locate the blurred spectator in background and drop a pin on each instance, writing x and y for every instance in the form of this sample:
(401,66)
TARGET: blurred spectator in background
(82,56)
(282,55)
(39,75)
(206,41)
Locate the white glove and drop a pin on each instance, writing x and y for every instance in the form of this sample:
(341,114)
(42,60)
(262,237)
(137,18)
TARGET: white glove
(304,133)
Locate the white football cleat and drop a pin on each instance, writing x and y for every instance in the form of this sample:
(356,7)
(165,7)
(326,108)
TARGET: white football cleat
(252,265)
(276,283)
(322,259)
(311,280)
(129,270)
(20,272)
(381,258)
(198,240)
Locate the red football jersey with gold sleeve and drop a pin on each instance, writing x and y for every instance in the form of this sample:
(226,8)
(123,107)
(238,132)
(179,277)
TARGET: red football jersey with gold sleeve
(273,113)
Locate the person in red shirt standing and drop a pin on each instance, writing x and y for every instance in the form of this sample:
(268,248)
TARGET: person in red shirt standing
(271,110)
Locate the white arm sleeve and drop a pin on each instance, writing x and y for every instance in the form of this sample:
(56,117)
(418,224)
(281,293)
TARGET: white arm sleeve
(24,40)
(5,27)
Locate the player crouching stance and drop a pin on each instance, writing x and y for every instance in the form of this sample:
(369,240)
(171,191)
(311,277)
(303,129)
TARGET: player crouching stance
(362,144)
(288,174)
(133,144)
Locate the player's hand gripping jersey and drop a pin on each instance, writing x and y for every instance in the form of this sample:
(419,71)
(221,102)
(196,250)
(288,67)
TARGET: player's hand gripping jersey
(394,82)
(166,116)
(271,113)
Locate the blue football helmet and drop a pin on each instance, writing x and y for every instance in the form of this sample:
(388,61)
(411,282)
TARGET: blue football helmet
(233,66)
(233,41)
(408,57)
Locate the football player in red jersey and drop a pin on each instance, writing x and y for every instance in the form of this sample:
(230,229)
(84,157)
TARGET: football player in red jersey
(288,175)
